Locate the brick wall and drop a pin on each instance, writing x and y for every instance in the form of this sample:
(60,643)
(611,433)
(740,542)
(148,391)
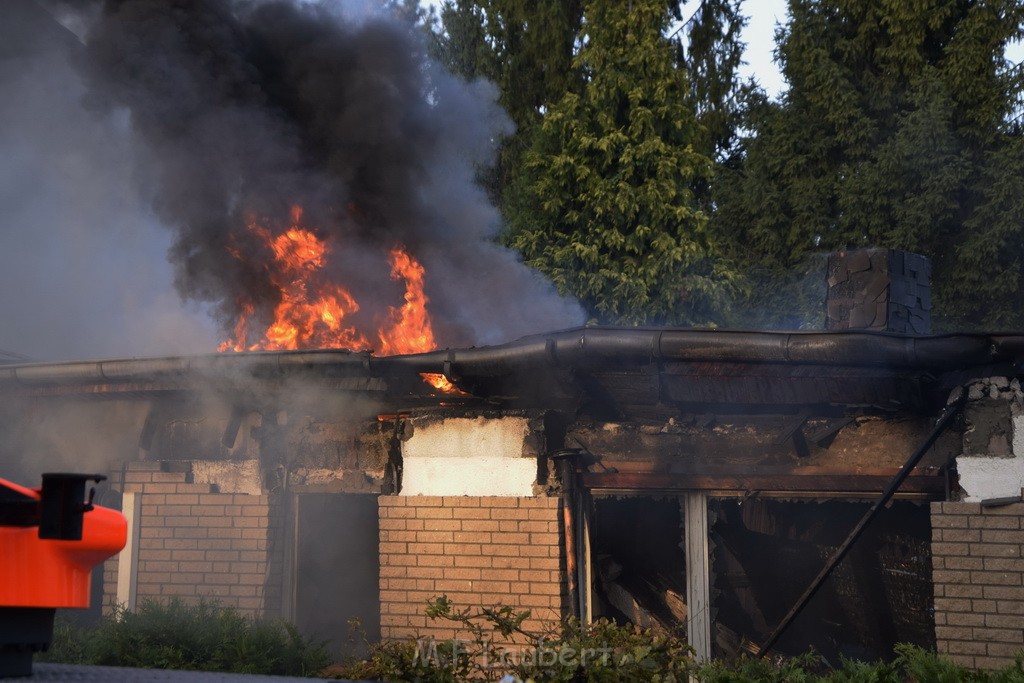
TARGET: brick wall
(978,572)
(479,551)
(196,543)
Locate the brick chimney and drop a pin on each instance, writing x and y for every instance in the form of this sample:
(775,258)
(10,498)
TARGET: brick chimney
(879,289)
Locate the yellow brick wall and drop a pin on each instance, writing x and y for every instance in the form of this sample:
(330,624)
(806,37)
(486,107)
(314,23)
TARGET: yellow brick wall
(978,573)
(479,551)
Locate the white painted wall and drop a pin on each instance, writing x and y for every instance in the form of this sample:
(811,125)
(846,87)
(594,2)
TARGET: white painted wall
(468,457)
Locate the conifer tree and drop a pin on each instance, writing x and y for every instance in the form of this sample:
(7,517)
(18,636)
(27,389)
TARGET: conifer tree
(712,57)
(526,48)
(606,205)
(897,131)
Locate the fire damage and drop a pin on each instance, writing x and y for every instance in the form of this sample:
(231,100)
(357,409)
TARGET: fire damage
(766,552)
(749,489)
(710,481)
(758,491)
(763,553)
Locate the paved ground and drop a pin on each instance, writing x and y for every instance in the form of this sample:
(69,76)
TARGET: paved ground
(111,674)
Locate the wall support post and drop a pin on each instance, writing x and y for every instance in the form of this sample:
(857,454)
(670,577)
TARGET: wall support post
(698,574)
(128,559)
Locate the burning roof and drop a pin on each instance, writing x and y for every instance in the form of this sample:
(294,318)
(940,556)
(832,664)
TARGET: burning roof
(313,311)
(194,129)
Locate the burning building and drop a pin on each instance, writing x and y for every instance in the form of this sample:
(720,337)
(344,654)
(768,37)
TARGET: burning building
(332,462)
(673,477)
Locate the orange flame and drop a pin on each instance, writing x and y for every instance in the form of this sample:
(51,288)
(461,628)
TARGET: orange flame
(441,383)
(410,330)
(303,319)
(312,312)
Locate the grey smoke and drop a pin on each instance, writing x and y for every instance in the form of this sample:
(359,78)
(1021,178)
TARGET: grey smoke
(243,109)
(83,271)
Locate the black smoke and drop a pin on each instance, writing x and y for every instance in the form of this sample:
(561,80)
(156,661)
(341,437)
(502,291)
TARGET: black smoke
(244,109)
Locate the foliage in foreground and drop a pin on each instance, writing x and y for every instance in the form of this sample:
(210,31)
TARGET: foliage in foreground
(912,664)
(605,651)
(206,637)
(202,637)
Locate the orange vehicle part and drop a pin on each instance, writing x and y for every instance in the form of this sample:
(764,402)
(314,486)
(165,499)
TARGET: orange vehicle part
(42,572)
(50,540)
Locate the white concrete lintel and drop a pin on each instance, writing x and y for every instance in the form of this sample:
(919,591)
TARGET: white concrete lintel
(477,476)
(469,457)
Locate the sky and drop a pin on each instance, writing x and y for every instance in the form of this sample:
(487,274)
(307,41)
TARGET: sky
(759,35)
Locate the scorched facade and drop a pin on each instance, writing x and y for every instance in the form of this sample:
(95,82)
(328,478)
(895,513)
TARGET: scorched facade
(676,478)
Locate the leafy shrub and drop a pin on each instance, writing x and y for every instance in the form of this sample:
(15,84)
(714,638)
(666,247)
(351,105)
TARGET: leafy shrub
(203,637)
(796,670)
(911,665)
(624,653)
(397,661)
(602,651)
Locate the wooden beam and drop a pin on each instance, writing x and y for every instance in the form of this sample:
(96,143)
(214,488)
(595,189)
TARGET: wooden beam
(752,482)
(729,468)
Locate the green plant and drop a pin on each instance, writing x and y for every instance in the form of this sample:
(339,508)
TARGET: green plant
(795,670)
(201,636)
(68,646)
(492,644)
(604,652)
(853,671)
(911,665)
(608,203)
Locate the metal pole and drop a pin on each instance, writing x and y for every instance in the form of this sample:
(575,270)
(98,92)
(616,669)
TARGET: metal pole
(569,535)
(951,409)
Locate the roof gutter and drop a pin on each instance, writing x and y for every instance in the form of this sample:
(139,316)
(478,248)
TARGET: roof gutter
(602,347)
(579,347)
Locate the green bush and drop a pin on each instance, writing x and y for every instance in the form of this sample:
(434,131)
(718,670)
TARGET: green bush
(912,664)
(600,652)
(206,637)
(626,653)
(202,637)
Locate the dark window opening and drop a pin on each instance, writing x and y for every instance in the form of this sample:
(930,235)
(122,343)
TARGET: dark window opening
(766,553)
(638,564)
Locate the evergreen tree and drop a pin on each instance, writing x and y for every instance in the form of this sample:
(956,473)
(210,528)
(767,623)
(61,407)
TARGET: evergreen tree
(712,57)
(458,40)
(526,48)
(896,131)
(606,206)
